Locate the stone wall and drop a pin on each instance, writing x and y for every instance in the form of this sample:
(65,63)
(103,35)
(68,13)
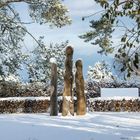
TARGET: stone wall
(118,105)
(28,105)
(23,105)
(42,104)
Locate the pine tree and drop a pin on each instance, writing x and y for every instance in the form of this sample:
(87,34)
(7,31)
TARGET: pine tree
(113,19)
(13,29)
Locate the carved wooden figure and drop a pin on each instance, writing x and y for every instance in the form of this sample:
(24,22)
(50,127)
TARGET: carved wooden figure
(53,97)
(68,104)
(79,82)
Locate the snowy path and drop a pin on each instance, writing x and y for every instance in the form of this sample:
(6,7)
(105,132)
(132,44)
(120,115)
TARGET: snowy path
(93,126)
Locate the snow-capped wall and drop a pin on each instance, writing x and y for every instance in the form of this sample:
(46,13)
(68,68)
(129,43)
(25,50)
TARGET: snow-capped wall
(114,104)
(24,105)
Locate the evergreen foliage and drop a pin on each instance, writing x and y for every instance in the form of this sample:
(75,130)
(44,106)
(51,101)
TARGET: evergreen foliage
(13,29)
(113,19)
(39,66)
(101,72)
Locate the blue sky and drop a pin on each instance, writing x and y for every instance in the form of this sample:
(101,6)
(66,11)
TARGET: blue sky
(77,9)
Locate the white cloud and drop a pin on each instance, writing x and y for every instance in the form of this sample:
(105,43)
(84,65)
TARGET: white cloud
(79,4)
(81,7)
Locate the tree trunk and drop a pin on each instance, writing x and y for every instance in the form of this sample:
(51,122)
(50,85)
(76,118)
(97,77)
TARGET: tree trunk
(68,104)
(53,98)
(79,81)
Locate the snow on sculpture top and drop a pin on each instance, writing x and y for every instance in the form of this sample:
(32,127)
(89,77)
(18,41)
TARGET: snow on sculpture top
(53,60)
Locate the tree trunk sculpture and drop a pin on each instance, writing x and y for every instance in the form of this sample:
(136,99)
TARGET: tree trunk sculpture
(68,104)
(79,81)
(53,98)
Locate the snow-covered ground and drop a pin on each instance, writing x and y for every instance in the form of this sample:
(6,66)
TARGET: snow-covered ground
(93,126)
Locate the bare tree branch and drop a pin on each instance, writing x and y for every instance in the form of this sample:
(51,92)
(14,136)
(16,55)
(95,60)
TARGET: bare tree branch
(3,4)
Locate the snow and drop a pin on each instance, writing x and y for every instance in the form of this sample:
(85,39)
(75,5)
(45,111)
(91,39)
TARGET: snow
(115,98)
(68,98)
(24,98)
(53,60)
(123,92)
(11,78)
(93,126)
(60,98)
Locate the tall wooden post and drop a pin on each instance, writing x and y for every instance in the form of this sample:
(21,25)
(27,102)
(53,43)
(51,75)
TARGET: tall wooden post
(68,103)
(53,98)
(79,81)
